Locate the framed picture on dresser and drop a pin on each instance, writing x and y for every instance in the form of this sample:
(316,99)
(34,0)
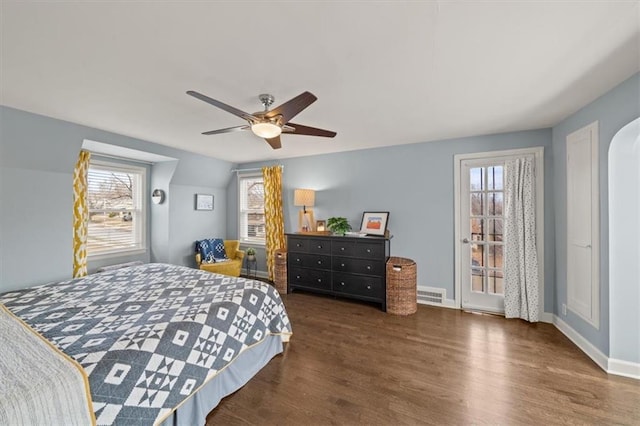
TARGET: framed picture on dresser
(374,223)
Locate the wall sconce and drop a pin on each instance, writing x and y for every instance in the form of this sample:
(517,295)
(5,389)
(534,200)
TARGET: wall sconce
(157,196)
(305,198)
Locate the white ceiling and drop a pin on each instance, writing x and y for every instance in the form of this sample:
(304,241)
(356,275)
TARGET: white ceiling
(384,73)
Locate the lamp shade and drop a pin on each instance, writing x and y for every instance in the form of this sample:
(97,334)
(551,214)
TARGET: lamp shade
(304,197)
(266,130)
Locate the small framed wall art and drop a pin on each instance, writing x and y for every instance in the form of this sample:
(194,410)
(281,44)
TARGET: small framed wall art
(321,225)
(374,223)
(204,202)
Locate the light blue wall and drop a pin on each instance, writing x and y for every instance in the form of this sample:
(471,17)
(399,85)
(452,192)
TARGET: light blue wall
(624,244)
(188,225)
(161,175)
(612,111)
(38,155)
(415,183)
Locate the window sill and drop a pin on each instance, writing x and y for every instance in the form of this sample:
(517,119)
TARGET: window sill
(119,253)
(252,244)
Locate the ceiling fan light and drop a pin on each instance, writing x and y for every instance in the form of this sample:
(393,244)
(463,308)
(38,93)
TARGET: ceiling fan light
(266,130)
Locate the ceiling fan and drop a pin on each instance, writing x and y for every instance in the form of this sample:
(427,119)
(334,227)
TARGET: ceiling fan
(269,124)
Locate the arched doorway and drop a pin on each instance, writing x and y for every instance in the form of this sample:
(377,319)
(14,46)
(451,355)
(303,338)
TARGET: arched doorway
(624,247)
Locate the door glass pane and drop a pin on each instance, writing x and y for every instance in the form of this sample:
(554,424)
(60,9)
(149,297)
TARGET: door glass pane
(494,230)
(495,256)
(477,280)
(494,203)
(496,282)
(476,204)
(477,254)
(477,229)
(494,177)
(477,178)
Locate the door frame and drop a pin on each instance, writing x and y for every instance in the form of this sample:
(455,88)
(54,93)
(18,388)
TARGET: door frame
(538,154)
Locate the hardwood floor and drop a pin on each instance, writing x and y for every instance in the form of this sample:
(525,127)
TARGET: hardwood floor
(349,363)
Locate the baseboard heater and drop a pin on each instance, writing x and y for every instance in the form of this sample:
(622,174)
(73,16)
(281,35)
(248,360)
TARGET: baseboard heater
(432,295)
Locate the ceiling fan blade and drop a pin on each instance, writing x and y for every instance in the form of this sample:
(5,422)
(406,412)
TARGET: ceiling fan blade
(274,142)
(227,130)
(299,129)
(221,105)
(291,108)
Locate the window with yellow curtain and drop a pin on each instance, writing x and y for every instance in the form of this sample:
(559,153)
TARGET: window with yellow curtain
(117,218)
(251,218)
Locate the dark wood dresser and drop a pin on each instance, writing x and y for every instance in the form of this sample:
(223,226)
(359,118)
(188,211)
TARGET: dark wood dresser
(346,266)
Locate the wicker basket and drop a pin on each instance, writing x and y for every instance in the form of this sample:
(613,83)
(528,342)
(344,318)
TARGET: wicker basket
(280,272)
(402,297)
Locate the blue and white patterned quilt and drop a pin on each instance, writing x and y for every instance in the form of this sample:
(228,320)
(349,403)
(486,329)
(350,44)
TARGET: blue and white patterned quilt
(150,336)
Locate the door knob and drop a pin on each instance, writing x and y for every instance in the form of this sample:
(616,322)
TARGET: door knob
(465,240)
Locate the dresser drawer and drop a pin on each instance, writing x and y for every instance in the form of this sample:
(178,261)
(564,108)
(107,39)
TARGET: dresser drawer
(317,261)
(308,245)
(358,266)
(343,248)
(358,285)
(370,250)
(298,244)
(309,278)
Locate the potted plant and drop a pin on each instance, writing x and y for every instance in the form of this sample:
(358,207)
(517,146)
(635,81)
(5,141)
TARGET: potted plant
(251,254)
(338,225)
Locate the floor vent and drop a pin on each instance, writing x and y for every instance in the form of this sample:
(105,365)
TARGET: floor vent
(432,295)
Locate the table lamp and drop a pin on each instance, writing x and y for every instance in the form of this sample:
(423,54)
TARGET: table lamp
(305,198)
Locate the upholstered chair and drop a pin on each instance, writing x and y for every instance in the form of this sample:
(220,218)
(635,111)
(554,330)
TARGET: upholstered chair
(231,267)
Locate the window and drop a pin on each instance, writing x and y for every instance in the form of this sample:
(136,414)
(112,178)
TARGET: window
(251,206)
(485,223)
(116,208)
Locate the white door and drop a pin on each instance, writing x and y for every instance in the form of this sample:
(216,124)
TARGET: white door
(481,224)
(583,284)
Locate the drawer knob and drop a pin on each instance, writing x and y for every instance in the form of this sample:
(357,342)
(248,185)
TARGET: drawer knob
(342,248)
(297,277)
(342,283)
(368,267)
(297,259)
(368,250)
(319,246)
(319,280)
(298,245)
(342,264)
(319,262)
(368,287)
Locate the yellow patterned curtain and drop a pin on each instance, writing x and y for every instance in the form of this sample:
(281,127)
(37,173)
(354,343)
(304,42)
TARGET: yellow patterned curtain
(80,215)
(273,217)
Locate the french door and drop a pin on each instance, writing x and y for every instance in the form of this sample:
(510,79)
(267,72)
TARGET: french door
(481,224)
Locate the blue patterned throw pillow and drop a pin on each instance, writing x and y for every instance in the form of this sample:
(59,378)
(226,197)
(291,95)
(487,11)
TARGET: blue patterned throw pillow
(211,250)
(219,252)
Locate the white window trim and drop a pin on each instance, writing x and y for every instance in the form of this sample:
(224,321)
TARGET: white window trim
(143,206)
(538,154)
(246,242)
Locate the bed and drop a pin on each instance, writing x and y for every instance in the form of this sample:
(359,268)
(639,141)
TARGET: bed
(157,343)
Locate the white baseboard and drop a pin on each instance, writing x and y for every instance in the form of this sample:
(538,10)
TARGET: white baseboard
(585,346)
(610,365)
(449,303)
(262,274)
(446,303)
(624,368)
(258,274)
(546,317)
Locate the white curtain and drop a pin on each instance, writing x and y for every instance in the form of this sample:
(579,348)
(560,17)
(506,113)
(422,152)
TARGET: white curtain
(521,259)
